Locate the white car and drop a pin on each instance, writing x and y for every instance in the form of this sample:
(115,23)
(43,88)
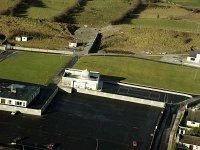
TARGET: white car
(14,112)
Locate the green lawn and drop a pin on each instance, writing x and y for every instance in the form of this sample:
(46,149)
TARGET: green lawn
(190,3)
(180,25)
(143,72)
(32,67)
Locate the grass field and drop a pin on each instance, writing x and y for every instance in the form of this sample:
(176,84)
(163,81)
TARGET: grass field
(32,67)
(5,4)
(190,3)
(101,12)
(44,34)
(44,9)
(140,40)
(148,73)
(168,17)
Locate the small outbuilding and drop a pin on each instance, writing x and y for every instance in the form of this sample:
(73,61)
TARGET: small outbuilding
(194,56)
(73,44)
(18,39)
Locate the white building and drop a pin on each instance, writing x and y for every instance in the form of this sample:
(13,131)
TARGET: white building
(17,95)
(193,118)
(84,79)
(189,142)
(194,56)
(73,44)
(24,38)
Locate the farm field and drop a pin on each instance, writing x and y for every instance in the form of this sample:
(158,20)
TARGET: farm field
(128,39)
(168,17)
(32,67)
(44,9)
(101,12)
(154,74)
(43,34)
(190,3)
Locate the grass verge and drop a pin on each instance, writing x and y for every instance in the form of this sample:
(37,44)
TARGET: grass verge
(143,72)
(32,67)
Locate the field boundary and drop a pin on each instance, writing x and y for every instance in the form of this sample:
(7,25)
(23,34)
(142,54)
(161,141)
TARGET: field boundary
(122,98)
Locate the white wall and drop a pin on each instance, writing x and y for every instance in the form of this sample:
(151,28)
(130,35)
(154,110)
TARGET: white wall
(192,124)
(80,83)
(196,60)
(195,147)
(9,101)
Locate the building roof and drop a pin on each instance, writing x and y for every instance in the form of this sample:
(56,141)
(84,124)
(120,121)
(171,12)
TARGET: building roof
(194,53)
(194,140)
(17,91)
(81,74)
(193,115)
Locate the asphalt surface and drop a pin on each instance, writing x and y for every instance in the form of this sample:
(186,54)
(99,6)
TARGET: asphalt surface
(84,122)
(142,93)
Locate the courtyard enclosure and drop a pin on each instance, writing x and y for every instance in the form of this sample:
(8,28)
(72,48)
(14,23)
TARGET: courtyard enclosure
(144,72)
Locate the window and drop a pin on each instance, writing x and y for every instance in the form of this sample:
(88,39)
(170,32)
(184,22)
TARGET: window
(23,103)
(18,103)
(9,102)
(193,59)
(3,101)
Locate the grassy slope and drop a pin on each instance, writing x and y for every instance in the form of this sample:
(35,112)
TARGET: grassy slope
(102,12)
(128,39)
(45,34)
(51,8)
(32,67)
(5,4)
(143,72)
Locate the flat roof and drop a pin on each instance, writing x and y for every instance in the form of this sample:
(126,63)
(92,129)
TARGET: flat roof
(77,121)
(190,139)
(19,92)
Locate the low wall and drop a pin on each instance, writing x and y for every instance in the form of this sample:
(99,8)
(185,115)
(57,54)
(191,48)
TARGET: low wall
(49,100)
(122,98)
(149,88)
(172,136)
(23,110)
(41,50)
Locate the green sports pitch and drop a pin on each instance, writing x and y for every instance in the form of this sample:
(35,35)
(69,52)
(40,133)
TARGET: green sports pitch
(31,67)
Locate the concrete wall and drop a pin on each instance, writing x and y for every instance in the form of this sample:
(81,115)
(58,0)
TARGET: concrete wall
(152,89)
(49,100)
(172,136)
(23,110)
(41,50)
(123,98)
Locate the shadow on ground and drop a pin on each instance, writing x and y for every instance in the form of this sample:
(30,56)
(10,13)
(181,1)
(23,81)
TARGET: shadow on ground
(132,13)
(68,16)
(22,9)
